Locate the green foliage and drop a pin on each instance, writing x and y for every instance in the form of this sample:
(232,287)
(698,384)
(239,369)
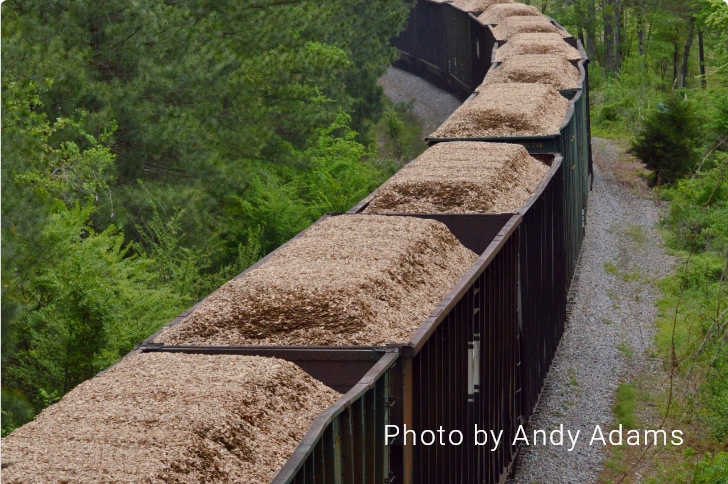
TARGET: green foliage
(337,177)
(393,129)
(667,143)
(621,102)
(713,469)
(208,133)
(210,100)
(624,406)
(698,215)
(693,325)
(714,16)
(83,302)
(399,133)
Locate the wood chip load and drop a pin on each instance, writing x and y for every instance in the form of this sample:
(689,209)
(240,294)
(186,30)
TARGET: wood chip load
(349,280)
(553,70)
(171,417)
(502,110)
(478,6)
(548,43)
(495,14)
(517,25)
(462,177)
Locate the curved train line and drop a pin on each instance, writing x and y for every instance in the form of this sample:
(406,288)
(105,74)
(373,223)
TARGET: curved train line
(482,355)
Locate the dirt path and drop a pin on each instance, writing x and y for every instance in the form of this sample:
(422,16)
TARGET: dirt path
(612,322)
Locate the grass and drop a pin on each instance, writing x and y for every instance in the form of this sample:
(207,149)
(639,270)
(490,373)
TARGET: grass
(638,234)
(630,399)
(625,349)
(627,276)
(610,268)
(572,378)
(624,407)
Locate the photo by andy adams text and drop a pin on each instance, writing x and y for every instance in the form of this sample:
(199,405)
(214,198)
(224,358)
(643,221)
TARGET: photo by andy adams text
(555,437)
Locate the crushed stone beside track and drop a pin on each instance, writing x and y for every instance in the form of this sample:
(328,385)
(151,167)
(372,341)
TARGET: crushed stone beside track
(431,105)
(610,329)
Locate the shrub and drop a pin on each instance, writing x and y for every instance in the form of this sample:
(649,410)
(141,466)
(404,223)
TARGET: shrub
(667,143)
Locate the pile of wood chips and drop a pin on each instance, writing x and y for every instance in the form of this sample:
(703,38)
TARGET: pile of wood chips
(478,6)
(553,70)
(349,280)
(166,417)
(518,25)
(502,110)
(498,13)
(539,43)
(462,177)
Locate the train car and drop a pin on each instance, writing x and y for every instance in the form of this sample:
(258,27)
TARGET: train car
(572,142)
(433,379)
(448,42)
(424,41)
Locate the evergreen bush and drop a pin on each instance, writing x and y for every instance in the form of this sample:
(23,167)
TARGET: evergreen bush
(667,142)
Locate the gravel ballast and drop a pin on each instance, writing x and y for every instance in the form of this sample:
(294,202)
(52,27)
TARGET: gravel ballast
(611,328)
(170,417)
(478,6)
(462,177)
(349,280)
(431,105)
(518,25)
(495,14)
(538,43)
(515,109)
(553,70)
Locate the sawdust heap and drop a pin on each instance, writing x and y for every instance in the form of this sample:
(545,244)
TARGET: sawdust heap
(517,25)
(497,13)
(500,110)
(548,43)
(349,280)
(165,417)
(478,6)
(553,70)
(462,177)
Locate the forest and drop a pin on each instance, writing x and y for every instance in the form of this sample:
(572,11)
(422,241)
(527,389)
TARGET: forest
(154,149)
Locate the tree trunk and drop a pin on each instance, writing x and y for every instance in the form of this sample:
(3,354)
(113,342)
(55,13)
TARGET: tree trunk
(608,17)
(617,35)
(641,28)
(686,54)
(674,63)
(591,36)
(543,6)
(701,54)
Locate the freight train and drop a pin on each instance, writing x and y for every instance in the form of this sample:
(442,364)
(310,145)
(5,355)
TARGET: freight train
(477,359)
